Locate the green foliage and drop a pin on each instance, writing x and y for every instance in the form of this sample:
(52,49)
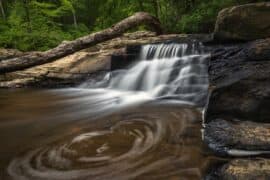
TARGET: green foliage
(52,10)
(44,32)
(203,18)
(43,24)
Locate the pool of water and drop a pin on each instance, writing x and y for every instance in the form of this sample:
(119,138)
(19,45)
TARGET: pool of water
(60,134)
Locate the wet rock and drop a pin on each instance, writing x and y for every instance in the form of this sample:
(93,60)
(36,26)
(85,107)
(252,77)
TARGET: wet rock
(243,169)
(240,81)
(244,22)
(237,138)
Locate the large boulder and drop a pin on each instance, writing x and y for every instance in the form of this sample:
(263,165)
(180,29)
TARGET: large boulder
(244,22)
(240,81)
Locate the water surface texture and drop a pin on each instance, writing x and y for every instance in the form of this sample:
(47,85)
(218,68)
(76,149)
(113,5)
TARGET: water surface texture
(139,123)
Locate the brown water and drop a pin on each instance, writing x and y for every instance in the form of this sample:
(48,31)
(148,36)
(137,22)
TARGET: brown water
(51,135)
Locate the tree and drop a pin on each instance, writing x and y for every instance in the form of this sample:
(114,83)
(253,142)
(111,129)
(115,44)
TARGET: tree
(74,18)
(2,10)
(42,24)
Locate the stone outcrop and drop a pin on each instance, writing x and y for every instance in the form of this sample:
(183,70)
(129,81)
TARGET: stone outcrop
(244,22)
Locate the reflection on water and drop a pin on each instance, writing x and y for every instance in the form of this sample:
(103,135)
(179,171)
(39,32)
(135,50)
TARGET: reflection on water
(43,136)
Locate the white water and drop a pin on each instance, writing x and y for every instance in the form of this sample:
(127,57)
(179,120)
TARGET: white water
(171,72)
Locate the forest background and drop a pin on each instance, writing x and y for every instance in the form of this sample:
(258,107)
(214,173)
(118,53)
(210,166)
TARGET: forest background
(30,25)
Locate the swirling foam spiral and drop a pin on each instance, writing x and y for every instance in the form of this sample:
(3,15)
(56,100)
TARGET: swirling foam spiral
(129,149)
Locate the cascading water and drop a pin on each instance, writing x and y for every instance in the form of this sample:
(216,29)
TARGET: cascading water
(167,70)
(176,72)
(153,142)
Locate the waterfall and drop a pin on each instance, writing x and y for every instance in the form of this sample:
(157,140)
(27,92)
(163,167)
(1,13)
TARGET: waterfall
(167,70)
(173,72)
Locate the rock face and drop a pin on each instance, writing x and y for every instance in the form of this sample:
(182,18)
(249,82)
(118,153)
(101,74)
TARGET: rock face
(240,77)
(240,85)
(237,118)
(244,22)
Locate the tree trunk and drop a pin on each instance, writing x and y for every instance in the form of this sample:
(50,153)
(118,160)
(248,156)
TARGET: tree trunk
(2,10)
(74,19)
(66,48)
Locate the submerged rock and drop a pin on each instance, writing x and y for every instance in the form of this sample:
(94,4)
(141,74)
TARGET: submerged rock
(244,22)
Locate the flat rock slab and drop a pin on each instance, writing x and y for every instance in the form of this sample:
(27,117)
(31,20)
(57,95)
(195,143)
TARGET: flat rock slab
(238,138)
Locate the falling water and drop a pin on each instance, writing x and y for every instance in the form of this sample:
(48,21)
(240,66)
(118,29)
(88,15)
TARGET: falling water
(145,142)
(166,70)
(163,71)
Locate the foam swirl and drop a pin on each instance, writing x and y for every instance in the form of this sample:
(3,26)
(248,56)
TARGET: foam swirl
(135,147)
